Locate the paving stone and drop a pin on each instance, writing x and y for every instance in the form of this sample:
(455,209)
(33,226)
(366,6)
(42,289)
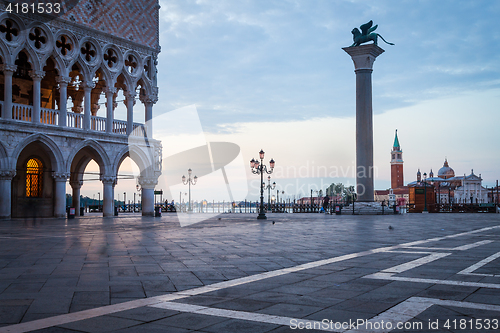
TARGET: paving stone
(240,326)
(101,324)
(190,321)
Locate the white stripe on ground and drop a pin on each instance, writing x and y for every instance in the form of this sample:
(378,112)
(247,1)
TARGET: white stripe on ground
(388,276)
(458,248)
(242,315)
(415,263)
(480,264)
(411,308)
(92,313)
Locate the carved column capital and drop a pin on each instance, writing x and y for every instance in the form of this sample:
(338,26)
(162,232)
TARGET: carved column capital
(7,174)
(148,182)
(108,180)
(37,75)
(60,176)
(88,85)
(8,68)
(63,80)
(110,90)
(149,99)
(76,183)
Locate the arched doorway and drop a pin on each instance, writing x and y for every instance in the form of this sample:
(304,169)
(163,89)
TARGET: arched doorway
(33,187)
(85,153)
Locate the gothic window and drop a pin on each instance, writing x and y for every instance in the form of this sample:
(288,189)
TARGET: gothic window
(64,45)
(131,64)
(9,30)
(88,51)
(110,58)
(38,38)
(34,173)
(23,66)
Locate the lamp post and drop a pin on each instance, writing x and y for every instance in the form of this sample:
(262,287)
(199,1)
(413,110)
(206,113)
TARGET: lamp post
(189,181)
(99,202)
(259,168)
(425,192)
(269,187)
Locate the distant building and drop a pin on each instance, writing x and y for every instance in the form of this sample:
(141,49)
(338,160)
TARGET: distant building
(398,189)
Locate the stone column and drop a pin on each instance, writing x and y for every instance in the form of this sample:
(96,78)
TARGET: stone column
(60,179)
(108,195)
(129,102)
(87,88)
(6,193)
(37,77)
(148,197)
(8,71)
(75,197)
(109,108)
(148,104)
(363,57)
(63,99)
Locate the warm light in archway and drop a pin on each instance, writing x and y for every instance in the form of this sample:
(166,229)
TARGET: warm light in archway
(34,172)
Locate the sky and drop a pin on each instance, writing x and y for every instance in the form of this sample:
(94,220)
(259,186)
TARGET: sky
(272,75)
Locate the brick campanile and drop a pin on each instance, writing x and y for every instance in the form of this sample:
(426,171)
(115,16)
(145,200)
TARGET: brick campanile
(397,179)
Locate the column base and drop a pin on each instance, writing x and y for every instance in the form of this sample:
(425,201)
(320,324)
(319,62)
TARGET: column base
(152,214)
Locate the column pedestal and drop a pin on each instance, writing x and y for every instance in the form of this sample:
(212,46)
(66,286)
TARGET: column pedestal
(75,197)
(148,202)
(60,194)
(363,57)
(6,191)
(108,196)
(148,196)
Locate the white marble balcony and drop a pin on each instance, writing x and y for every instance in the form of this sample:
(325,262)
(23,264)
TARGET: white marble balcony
(25,113)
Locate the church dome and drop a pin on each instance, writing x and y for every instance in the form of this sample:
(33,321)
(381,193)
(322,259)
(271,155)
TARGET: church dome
(446,172)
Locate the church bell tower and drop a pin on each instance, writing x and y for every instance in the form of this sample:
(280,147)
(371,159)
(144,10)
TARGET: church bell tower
(397,179)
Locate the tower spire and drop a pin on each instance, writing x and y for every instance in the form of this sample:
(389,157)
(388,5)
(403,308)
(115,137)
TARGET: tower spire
(396,145)
(396,164)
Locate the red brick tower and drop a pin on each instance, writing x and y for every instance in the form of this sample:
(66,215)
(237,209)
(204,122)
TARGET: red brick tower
(397,179)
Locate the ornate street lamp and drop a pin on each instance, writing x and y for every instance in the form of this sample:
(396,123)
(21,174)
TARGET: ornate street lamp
(259,168)
(269,187)
(189,181)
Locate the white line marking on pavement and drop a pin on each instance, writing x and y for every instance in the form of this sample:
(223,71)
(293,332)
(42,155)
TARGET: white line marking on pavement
(411,308)
(415,263)
(243,315)
(389,276)
(458,248)
(471,246)
(470,269)
(96,312)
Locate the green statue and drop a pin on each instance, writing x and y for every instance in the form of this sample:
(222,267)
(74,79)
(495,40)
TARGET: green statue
(366,35)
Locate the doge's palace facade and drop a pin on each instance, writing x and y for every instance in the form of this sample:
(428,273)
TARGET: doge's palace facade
(54,69)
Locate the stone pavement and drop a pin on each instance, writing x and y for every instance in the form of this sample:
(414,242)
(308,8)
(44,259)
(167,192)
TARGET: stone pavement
(232,273)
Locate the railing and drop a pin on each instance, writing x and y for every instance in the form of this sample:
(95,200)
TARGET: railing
(119,127)
(139,130)
(74,120)
(98,123)
(21,112)
(49,116)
